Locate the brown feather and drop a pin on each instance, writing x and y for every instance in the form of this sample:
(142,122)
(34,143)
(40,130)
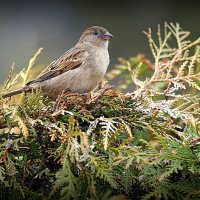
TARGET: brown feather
(72,59)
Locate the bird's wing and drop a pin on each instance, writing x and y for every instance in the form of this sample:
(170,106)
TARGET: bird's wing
(70,60)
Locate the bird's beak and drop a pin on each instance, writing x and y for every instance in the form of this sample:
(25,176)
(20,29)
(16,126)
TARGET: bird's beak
(107,36)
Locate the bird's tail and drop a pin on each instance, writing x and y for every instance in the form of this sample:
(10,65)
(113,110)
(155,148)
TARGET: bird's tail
(17,91)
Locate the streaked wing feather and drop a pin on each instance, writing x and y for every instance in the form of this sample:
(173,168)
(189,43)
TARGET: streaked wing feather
(70,60)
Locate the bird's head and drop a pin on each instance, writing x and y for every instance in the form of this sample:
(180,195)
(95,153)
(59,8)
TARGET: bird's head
(96,35)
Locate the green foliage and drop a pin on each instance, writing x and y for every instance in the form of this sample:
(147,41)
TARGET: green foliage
(132,145)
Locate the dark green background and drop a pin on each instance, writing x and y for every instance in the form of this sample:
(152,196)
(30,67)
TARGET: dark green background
(56,25)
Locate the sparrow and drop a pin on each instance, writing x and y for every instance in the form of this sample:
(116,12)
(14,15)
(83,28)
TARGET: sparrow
(80,69)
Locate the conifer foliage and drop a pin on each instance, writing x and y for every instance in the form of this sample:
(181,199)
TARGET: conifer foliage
(143,144)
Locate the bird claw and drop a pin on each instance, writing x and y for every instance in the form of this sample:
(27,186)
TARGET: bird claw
(95,96)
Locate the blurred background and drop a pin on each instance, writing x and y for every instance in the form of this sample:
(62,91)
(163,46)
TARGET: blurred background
(56,26)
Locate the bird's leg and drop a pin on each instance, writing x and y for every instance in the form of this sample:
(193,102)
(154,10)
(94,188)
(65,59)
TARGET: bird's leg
(56,106)
(104,87)
(89,97)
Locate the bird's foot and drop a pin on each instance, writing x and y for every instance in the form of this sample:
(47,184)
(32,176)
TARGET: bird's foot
(58,100)
(104,87)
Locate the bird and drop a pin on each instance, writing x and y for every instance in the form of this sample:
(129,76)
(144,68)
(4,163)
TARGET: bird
(80,69)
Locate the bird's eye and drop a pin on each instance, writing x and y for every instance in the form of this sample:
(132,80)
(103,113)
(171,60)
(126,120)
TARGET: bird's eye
(95,33)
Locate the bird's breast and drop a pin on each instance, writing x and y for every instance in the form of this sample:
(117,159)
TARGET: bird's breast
(101,60)
(82,79)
